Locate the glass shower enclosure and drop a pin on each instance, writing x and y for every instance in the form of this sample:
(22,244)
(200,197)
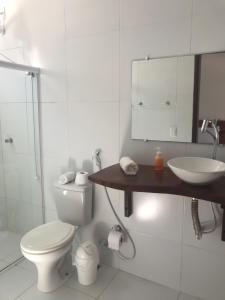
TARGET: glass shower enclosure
(21,207)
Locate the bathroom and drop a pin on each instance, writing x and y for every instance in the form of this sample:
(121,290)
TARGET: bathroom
(82,52)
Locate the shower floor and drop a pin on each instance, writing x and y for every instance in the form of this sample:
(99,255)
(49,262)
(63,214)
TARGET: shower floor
(9,248)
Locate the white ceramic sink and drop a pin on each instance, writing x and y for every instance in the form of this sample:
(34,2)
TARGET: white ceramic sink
(197,170)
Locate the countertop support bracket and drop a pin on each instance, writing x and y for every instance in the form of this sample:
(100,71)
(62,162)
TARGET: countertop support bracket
(128,203)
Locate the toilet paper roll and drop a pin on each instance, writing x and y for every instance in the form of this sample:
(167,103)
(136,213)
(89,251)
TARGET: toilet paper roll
(81,178)
(115,240)
(66,178)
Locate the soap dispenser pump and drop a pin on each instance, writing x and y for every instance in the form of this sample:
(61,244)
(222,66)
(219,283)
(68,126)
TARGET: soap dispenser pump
(158,160)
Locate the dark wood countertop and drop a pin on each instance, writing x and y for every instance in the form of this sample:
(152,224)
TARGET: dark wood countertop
(150,181)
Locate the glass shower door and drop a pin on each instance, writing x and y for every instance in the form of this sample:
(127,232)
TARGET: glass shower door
(21,206)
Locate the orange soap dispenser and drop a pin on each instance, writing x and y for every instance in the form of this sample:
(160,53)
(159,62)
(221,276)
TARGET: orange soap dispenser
(158,160)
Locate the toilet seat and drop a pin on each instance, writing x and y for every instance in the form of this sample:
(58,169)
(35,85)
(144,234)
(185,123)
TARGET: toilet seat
(47,237)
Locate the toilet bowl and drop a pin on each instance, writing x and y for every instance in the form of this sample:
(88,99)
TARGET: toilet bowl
(49,247)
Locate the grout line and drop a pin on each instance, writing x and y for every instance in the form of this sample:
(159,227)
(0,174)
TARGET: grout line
(66,81)
(88,294)
(92,34)
(77,290)
(117,272)
(178,295)
(24,291)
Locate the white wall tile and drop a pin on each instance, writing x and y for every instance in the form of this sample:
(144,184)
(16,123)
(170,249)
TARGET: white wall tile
(52,20)
(92,66)
(15,55)
(158,260)
(91,126)
(54,129)
(49,55)
(159,39)
(44,46)
(90,17)
(207,26)
(53,167)
(203,274)
(156,215)
(50,215)
(220,153)
(13,25)
(199,150)
(135,13)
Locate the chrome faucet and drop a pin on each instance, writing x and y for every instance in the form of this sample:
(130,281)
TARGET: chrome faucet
(215,135)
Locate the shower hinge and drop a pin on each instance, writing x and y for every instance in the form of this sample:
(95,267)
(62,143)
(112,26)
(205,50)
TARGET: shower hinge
(32,74)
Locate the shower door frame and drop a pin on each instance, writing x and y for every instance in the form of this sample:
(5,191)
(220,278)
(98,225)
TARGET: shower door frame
(34,72)
(19,67)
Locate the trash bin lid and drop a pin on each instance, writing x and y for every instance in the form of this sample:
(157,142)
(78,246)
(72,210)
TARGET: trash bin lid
(87,251)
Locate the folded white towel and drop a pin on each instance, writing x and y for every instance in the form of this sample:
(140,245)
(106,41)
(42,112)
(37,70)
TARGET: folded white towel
(128,165)
(66,178)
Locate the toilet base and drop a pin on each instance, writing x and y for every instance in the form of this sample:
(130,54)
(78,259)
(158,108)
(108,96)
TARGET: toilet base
(52,277)
(53,268)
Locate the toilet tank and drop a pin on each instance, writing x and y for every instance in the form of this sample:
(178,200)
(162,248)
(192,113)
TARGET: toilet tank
(73,203)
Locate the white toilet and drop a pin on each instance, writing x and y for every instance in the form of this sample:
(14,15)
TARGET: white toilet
(49,246)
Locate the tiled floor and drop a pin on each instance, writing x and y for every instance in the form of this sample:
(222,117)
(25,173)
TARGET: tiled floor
(9,248)
(19,282)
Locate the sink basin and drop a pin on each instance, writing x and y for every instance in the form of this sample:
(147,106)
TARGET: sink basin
(197,170)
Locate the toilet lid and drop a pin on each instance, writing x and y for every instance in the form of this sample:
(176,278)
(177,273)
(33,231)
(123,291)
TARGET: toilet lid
(47,237)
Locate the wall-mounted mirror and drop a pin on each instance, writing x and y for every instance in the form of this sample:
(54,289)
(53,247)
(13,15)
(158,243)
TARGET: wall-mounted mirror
(171,97)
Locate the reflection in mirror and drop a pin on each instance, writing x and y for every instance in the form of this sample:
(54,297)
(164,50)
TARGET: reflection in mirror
(172,96)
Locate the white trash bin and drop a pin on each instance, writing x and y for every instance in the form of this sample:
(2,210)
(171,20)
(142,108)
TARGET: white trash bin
(87,260)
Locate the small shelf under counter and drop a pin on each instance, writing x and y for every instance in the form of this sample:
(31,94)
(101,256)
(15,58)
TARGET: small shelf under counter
(163,182)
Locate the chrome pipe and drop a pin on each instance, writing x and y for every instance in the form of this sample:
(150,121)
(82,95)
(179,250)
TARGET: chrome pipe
(216,139)
(214,135)
(205,124)
(195,219)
